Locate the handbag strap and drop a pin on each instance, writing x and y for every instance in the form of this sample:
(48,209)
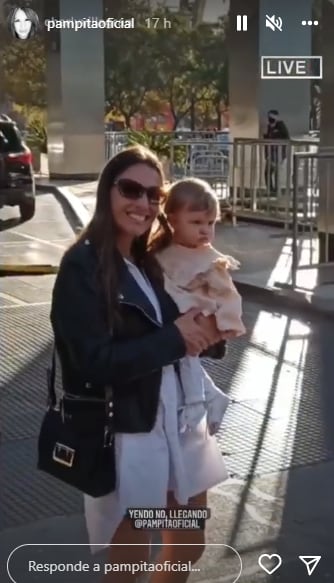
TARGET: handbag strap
(51,377)
(51,382)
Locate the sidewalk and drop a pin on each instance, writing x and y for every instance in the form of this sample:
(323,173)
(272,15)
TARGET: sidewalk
(268,515)
(263,251)
(277,437)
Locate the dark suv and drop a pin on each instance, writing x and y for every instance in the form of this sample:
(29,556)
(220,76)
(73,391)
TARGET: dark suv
(17,184)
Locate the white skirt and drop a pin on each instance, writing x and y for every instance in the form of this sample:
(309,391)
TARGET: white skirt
(148,465)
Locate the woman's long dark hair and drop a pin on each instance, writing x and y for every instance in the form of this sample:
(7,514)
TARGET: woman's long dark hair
(102,233)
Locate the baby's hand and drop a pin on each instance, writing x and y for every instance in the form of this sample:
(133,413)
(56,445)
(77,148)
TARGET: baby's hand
(228,334)
(191,415)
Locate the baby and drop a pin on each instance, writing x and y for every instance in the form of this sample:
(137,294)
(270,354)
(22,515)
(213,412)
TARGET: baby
(196,275)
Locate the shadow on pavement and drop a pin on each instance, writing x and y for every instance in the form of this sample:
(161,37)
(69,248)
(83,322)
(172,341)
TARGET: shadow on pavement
(277,436)
(299,405)
(308,513)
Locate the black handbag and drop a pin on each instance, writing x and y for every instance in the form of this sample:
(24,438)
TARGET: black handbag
(76,440)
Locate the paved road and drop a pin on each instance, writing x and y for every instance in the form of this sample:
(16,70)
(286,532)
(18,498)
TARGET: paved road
(277,437)
(41,240)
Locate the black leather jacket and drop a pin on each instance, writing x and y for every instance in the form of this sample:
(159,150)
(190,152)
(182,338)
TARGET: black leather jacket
(129,358)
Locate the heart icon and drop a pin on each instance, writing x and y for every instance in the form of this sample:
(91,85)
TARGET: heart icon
(270,563)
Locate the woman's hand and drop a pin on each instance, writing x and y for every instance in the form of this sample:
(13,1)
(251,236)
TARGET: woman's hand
(209,325)
(197,331)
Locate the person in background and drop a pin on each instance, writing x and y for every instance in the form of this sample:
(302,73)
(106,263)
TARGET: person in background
(274,155)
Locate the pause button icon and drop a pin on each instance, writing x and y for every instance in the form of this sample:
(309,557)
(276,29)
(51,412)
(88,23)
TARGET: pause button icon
(241,22)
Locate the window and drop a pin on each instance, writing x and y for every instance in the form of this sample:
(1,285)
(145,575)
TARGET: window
(10,140)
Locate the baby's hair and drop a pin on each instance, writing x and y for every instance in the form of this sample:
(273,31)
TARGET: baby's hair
(191,193)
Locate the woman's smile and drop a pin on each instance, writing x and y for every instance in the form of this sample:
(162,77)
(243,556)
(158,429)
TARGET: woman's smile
(138,218)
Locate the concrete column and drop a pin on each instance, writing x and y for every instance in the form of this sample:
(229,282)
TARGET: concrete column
(75,82)
(326,169)
(292,97)
(244,85)
(251,97)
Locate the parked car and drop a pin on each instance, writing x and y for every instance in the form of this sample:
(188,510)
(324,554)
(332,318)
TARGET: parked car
(17,184)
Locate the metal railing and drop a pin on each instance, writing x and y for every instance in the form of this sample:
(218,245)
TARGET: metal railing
(256,177)
(289,180)
(261,176)
(207,159)
(116,141)
(313,225)
(201,154)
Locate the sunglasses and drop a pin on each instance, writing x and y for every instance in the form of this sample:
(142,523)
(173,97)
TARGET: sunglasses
(132,190)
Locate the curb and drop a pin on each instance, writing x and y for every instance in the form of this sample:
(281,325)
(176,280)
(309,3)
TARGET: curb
(280,298)
(78,214)
(12,270)
(285,299)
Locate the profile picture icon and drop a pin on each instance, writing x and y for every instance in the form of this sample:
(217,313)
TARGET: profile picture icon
(23,23)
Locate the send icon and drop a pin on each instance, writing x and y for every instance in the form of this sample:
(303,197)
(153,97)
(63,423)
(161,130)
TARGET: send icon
(310,561)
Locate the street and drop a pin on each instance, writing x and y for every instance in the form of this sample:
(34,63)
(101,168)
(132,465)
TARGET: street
(38,241)
(277,437)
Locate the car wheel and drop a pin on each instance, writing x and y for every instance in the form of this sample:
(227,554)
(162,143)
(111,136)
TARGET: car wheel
(27,209)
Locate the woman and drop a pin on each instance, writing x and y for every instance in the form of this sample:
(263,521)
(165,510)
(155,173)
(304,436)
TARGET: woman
(23,23)
(115,325)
